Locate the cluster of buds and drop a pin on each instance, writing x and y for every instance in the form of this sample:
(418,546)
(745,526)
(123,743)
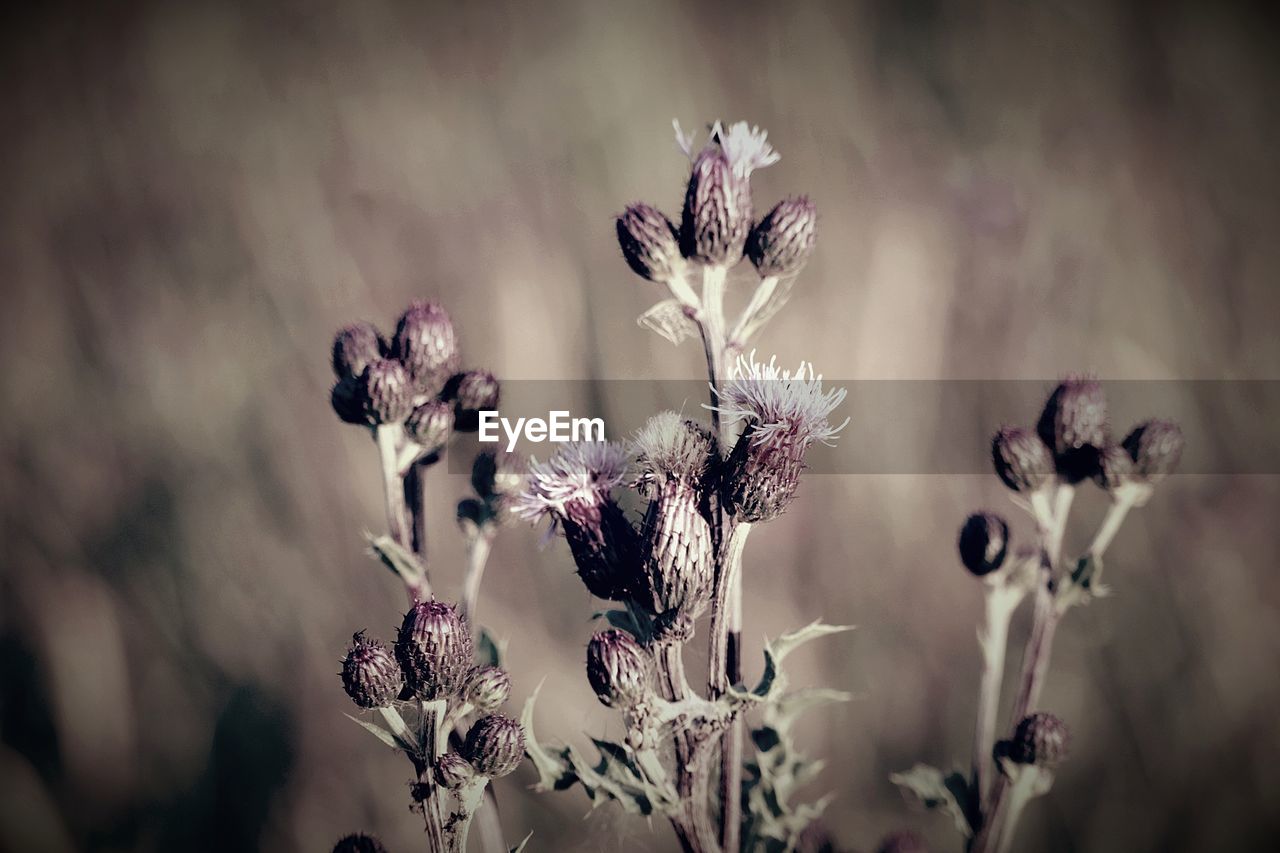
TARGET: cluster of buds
(716,231)
(1072,442)
(433,661)
(412,379)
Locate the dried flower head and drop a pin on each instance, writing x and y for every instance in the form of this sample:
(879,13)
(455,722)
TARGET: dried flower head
(355,347)
(494,746)
(452,771)
(359,843)
(1074,425)
(618,668)
(781,243)
(370,674)
(1040,739)
(1115,468)
(716,217)
(902,842)
(488,688)
(574,488)
(473,392)
(671,448)
(1022,460)
(650,243)
(786,412)
(386,392)
(1156,448)
(984,543)
(430,425)
(434,649)
(427,346)
(347,399)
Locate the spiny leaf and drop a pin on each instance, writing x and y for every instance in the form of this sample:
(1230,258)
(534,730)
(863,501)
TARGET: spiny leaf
(668,318)
(402,562)
(519,848)
(936,790)
(383,735)
(553,766)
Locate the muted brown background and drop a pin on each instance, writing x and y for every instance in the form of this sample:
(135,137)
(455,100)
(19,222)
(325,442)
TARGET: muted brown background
(197,194)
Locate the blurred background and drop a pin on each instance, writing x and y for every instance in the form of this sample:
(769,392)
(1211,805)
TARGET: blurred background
(197,194)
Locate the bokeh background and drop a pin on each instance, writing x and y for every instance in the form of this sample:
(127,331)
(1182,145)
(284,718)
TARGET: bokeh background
(196,194)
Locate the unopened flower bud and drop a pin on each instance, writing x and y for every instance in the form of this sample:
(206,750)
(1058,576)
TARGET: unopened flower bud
(1115,468)
(359,843)
(347,399)
(1040,739)
(618,668)
(902,842)
(435,650)
(386,392)
(425,343)
(1156,448)
(487,688)
(355,347)
(1022,459)
(495,746)
(650,243)
(370,674)
(780,244)
(430,425)
(1074,425)
(984,543)
(473,392)
(452,771)
(717,210)
(678,553)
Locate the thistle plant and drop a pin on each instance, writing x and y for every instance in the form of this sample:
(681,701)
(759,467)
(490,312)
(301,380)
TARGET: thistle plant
(678,564)
(1043,467)
(439,687)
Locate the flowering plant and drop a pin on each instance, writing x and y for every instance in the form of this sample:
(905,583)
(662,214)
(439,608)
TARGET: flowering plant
(705,486)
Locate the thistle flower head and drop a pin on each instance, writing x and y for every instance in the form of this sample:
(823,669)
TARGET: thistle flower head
(386,392)
(1040,739)
(427,346)
(618,668)
(1022,459)
(435,650)
(1115,468)
(581,473)
(781,242)
(783,407)
(679,554)
(354,347)
(358,842)
(984,543)
(370,674)
(487,688)
(472,392)
(746,147)
(452,771)
(1075,427)
(1156,448)
(430,425)
(671,448)
(649,242)
(494,746)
